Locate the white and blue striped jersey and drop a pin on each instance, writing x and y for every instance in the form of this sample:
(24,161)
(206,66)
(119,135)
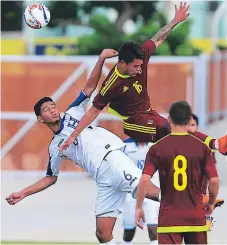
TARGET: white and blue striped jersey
(138,154)
(89,148)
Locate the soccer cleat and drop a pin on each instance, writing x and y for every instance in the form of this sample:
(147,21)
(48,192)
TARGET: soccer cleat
(222,144)
(210,222)
(218,202)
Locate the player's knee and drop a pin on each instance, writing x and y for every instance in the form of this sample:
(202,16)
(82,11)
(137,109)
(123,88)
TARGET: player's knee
(152,231)
(103,235)
(129,234)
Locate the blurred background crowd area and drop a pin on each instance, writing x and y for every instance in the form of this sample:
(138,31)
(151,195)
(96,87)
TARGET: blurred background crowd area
(86,27)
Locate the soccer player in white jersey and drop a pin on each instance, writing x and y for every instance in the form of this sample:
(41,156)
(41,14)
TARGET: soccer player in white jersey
(137,152)
(96,150)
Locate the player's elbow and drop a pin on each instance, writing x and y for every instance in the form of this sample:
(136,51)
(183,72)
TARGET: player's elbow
(214,181)
(52,180)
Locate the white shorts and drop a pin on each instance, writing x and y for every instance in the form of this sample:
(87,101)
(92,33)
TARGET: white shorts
(150,208)
(116,177)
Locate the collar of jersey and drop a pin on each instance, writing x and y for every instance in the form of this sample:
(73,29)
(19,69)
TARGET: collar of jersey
(119,74)
(179,133)
(61,126)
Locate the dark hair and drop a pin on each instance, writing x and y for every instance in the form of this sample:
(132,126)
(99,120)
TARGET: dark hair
(37,106)
(129,51)
(180,113)
(195,118)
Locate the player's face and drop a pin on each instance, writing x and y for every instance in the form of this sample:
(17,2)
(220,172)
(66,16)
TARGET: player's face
(134,68)
(193,126)
(49,113)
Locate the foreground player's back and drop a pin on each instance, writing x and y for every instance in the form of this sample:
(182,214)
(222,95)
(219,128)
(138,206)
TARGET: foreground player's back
(182,161)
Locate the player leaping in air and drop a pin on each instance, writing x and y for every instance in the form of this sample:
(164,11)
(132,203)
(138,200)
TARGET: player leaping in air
(96,150)
(125,90)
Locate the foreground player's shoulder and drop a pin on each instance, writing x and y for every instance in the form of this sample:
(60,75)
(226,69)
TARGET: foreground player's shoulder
(198,141)
(111,83)
(148,47)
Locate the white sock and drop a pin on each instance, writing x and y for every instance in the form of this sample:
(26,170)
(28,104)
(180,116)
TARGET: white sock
(154,242)
(124,242)
(112,242)
(216,145)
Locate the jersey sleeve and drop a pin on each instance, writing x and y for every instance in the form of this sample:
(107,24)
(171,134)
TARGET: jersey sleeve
(106,93)
(210,166)
(151,162)
(205,138)
(148,48)
(77,108)
(79,103)
(53,163)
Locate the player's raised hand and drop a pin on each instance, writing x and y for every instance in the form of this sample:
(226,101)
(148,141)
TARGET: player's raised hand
(67,143)
(15,198)
(139,216)
(181,13)
(108,53)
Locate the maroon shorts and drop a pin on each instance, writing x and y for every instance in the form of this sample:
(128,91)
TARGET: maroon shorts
(146,126)
(187,237)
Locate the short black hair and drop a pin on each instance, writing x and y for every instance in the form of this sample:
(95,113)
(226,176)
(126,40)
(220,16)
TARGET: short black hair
(195,118)
(38,104)
(129,51)
(180,113)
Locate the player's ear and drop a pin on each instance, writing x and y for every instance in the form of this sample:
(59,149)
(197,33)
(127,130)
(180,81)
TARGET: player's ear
(40,119)
(169,120)
(122,63)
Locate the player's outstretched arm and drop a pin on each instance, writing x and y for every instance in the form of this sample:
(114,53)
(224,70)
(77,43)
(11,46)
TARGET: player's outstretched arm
(181,14)
(86,120)
(93,80)
(37,187)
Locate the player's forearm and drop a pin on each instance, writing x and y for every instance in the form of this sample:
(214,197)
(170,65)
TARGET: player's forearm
(87,119)
(213,189)
(93,80)
(141,193)
(164,32)
(39,185)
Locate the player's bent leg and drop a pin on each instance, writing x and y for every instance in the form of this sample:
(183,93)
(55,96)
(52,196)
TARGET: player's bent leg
(128,218)
(170,238)
(152,232)
(146,126)
(104,229)
(128,235)
(195,237)
(125,175)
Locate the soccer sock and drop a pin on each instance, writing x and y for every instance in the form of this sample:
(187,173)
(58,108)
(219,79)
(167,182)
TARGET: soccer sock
(154,242)
(112,242)
(124,242)
(216,145)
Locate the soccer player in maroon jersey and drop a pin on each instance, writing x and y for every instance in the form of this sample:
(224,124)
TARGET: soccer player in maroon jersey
(182,161)
(193,126)
(125,90)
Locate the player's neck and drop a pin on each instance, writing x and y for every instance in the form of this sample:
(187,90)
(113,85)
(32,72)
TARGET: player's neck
(121,69)
(179,129)
(54,127)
